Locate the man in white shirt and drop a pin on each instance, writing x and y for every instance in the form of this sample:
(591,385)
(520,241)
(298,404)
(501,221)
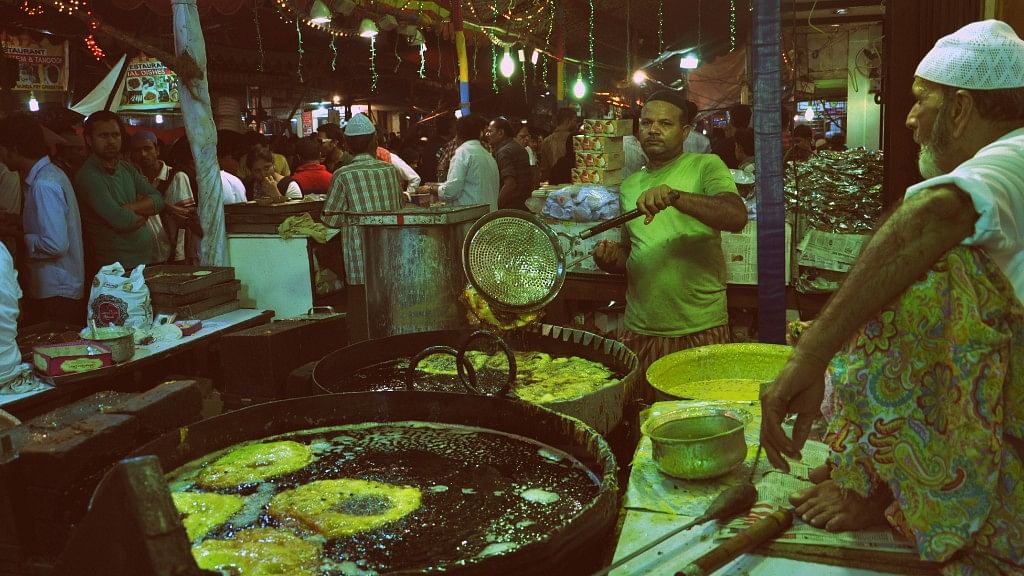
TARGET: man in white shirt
(55,263)
(695,141)
(174,186)
(10,292)
(473,174)
(410,179)
(925,337)
(10,186)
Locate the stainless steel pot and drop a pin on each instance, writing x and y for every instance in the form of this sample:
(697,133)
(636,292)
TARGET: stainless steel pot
(698,443)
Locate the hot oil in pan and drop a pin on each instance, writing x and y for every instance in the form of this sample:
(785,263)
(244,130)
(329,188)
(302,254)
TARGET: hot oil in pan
(482,493)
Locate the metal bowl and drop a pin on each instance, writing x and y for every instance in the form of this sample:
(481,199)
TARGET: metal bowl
(120,340)
(698,443)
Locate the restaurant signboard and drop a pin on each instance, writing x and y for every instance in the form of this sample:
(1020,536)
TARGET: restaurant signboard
(149,85)
(42,64)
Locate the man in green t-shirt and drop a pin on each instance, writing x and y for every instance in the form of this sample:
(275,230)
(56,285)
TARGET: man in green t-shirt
(675,296)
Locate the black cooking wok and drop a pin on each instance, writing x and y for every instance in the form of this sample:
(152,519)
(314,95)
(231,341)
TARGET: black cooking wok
(568,550)
(601,409)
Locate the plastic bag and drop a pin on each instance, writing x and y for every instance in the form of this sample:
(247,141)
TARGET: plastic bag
(115,300)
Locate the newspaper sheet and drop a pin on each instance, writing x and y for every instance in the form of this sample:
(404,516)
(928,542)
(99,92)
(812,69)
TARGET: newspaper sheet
(836,252)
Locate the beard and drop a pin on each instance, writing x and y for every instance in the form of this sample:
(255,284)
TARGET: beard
(930,157)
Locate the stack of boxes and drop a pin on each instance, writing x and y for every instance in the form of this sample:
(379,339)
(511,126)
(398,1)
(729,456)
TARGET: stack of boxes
(599,154)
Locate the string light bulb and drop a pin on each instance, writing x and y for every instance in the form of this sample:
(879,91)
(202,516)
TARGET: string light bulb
(535,56)
(508,66)
(33,104)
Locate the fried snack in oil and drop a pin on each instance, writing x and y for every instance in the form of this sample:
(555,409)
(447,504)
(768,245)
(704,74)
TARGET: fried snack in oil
(260,552)
(201,512)
(540,378)
(481,314)
(347,506)
(255,462)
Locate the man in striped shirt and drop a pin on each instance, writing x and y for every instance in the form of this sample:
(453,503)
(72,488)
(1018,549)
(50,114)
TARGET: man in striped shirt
(363,185)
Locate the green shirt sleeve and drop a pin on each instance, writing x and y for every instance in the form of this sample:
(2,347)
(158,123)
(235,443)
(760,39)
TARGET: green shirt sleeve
(716,176)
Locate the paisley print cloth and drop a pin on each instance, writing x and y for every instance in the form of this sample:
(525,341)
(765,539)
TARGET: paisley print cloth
(929,405)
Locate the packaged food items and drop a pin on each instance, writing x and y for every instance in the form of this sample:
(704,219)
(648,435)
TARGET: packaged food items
(606,160)
(596,176)
(609,128)
(585,143)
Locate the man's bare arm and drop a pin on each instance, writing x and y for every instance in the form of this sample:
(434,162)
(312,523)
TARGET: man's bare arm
(725,211)
(903,250)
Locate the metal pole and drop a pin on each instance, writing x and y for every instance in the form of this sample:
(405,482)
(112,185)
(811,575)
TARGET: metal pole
(771,226)
(460,50)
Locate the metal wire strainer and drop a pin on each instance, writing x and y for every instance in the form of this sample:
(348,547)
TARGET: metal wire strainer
(517,263)
(514,261)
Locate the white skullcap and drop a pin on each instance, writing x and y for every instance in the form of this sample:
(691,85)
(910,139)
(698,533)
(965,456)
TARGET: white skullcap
(985,55)
(359,125)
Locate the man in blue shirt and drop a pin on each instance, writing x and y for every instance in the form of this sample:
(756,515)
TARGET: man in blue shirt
(53,228)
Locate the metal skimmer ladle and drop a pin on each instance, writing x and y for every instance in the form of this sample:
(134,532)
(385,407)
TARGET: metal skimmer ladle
(516,262)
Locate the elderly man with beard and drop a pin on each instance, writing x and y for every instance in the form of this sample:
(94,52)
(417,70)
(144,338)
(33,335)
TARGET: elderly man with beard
(675,294)
(924,341)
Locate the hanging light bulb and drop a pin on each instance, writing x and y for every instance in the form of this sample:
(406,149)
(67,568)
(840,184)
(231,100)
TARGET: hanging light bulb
(159,119)
(319,13)
(579,89)
(522,55)
(367,29)
(639,77)
(809,115)
(33,104)
(508,66)
(535,57)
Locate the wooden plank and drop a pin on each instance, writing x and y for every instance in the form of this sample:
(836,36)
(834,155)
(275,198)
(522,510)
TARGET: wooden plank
(192,311)
(170,300)
(176,279)
(218,310)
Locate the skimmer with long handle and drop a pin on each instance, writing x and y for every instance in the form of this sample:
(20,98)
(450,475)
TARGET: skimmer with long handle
(516,262)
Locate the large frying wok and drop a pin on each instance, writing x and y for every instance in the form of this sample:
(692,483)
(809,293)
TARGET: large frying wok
(568,550)
(601,409)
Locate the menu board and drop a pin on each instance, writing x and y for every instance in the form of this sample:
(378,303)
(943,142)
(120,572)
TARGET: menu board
(42,65)
(149,85)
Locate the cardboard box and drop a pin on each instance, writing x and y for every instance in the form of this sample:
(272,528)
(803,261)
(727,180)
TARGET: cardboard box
(605,160)
(584,143)
(71,357)
(596,176)
(609,128)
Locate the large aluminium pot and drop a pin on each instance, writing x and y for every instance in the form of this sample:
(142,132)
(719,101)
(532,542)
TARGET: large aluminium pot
(601,409)
(564,551)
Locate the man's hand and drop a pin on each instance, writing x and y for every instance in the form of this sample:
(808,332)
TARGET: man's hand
(610,256)
(799,389)
(426,189)
(179,213)
(653,201)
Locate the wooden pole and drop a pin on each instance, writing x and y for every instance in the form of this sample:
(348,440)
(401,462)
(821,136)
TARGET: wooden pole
(190,47)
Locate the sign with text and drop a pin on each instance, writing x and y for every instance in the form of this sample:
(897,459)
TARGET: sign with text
(149,85)
(42,64)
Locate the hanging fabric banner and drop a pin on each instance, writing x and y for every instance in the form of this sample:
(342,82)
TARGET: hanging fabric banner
(42,65)
(149,85)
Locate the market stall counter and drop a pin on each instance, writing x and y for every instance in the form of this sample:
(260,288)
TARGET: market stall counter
(70,387)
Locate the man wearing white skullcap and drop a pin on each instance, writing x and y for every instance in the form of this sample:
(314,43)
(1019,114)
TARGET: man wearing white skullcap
(365,184)
(924,342)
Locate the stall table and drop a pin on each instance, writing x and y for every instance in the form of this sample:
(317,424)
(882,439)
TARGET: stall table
(73,386)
